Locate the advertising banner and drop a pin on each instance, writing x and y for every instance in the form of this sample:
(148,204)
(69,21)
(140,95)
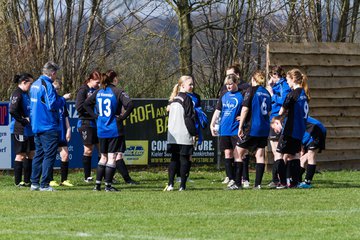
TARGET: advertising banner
(145,130)
(5,137)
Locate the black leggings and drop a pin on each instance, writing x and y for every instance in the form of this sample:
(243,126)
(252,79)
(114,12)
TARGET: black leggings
(181,162)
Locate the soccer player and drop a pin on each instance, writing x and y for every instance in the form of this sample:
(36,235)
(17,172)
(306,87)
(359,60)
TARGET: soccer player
(64,138)
(242,86)
(278,89)
(20,129)
(313,141)
(296,109)
(181,131)
(254,125)
(227,110)
(86,124)
(108,101)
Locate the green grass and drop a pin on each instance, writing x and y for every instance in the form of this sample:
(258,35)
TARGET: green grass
(331,210)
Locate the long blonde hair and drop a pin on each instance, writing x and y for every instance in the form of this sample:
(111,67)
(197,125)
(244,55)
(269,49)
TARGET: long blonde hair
(177,86)
(301,79)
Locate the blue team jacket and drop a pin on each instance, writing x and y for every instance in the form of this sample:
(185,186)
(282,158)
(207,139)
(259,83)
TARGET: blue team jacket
(44,106)
(280,90)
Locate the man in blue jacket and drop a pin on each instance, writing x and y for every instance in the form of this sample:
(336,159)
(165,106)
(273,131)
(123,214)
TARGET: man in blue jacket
(44,116)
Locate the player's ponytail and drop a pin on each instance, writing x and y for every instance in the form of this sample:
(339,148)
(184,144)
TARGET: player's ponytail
(177,86)
(107,78)
(259,77)
(305,86)
(26,77)
(301,79)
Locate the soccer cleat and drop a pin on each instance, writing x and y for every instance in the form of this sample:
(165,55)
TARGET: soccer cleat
(111,189)
(132,182)
(168,188)
(281,186)
(181,189)
(233,187)
(246,184)
(34,187)
(89,180)
(304,185)
(21,184)
(230,183)
(53,184)
(97,188)
(226,181)
(258,187)
(47,189)
(67,183)
(272,185)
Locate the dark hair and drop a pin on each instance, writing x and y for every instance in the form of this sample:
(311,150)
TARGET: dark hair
(22,77)
(236,67)
(278,70)
(108,78)
(95,74)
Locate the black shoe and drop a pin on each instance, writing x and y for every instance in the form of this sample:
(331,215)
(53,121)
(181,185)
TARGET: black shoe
(111,189)
(132,182)
(97,188)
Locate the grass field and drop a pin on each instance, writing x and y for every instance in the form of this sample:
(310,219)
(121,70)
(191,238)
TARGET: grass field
(331,210)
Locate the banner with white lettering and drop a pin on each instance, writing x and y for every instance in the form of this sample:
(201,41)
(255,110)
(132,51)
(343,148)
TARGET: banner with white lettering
(145,130)
(5,137)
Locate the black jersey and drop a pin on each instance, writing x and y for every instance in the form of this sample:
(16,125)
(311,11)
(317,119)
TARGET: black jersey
(296,103)
(83,93)
(20,110)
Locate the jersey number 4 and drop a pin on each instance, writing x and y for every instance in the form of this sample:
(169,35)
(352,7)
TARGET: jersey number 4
(104,107)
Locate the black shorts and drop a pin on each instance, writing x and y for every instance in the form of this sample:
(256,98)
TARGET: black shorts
(228,142)
(180,149)
(112,145)
(63,144)
(252,143)
(23,144)
(288,145)
(317,143)
(273,135)
(88,135)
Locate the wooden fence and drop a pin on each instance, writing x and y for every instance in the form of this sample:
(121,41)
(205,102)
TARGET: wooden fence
(333,70)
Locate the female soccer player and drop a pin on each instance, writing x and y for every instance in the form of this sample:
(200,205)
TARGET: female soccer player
(20,129)
(254,125)
(313,141)
(64,138)
(278,89)
(228,109)
(86,124)
(181,130)
(108,102)
(296,109)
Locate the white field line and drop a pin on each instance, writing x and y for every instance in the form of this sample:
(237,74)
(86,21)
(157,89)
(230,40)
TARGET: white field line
(118,235)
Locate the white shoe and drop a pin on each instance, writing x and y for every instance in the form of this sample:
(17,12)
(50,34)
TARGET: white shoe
(226,181)
(246,184)
(168,188)
(89,180)
(231,182)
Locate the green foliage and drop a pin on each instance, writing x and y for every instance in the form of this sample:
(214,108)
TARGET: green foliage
(204,211)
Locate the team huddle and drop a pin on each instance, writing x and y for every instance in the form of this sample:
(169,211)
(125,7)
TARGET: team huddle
(246,117)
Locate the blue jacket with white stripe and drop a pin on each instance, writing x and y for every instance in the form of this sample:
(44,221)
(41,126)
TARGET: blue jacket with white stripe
(44,106)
